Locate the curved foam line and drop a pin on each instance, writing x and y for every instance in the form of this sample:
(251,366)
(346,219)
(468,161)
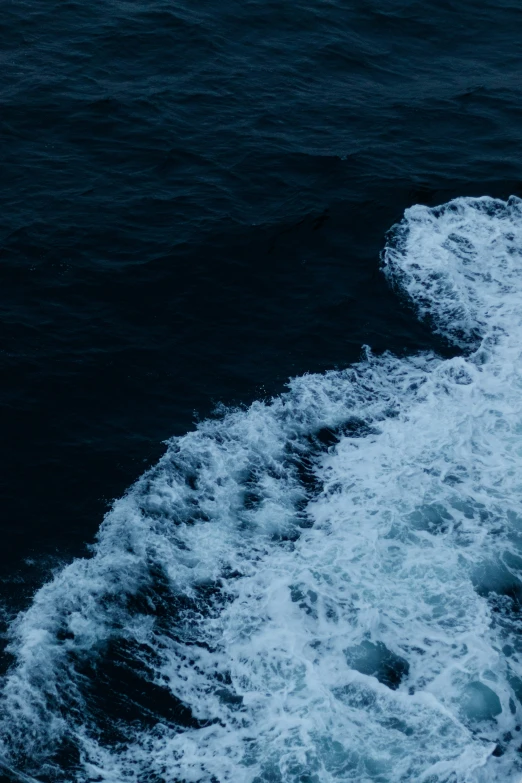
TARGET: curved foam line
(328,584)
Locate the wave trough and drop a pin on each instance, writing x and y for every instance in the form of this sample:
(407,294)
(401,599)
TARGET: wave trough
(324,587)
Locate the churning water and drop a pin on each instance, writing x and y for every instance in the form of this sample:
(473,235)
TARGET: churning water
(325,587)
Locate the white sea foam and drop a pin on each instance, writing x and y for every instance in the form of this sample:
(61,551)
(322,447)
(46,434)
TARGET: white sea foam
(319,608)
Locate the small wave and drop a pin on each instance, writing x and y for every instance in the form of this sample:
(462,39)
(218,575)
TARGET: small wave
(324,587)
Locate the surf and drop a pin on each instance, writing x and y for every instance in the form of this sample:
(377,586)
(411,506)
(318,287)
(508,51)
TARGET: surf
(322,587)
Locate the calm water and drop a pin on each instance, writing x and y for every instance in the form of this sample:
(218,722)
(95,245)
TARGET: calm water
(193,206)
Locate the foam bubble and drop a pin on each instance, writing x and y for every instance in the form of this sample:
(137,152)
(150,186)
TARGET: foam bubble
(326,587)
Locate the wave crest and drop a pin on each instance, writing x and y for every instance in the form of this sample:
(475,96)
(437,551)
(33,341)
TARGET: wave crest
(325,587)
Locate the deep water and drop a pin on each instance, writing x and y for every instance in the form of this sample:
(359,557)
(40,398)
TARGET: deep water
(193,206)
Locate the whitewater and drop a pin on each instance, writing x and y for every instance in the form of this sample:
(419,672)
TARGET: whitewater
(322,588)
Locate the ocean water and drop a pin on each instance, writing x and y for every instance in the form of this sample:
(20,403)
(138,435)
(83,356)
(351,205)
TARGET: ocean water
(302,581)
(325,586)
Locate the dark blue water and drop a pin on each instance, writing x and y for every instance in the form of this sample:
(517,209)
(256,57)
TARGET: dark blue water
(193,198)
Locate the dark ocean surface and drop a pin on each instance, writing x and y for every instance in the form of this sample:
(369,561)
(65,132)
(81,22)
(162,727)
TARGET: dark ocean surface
(193,201)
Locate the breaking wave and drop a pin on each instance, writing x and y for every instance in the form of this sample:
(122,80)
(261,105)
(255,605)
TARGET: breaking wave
(322,588)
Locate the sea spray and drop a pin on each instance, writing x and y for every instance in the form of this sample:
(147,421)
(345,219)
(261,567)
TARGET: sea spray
(324,587)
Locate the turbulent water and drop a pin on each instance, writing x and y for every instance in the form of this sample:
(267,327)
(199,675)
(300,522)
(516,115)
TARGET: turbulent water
(323,587)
